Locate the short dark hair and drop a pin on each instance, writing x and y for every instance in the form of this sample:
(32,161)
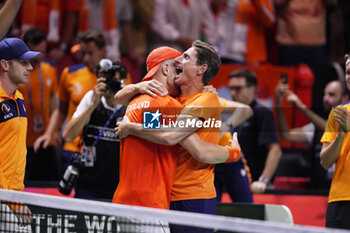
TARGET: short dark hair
(248,75)
(34,36)
(206,54)
(94,36)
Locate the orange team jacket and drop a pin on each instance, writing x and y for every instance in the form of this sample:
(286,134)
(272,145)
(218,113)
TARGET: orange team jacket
(194,179)
(147,169)
(49,76)
(340,187)
(74,83)
(13,150)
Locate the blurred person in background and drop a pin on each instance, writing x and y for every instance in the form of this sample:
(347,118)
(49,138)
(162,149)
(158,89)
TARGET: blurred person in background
(139,27)
(240,29)
(8,12)
(177,23)
(301,31)
(335,150)
(257,136)
(74,83)
(14,70)
(40,100)
(96,115)
(112,18)
(334,94)
(57,18)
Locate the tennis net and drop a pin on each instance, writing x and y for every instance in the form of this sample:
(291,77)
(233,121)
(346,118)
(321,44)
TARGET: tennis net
(62,215)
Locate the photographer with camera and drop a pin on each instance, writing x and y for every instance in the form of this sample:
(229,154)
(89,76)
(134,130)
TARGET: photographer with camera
(96,170)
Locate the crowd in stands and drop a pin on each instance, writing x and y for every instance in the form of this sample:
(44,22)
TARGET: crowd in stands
(282,35)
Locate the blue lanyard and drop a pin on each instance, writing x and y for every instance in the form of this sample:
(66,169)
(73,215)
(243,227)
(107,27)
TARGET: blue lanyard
(106,124)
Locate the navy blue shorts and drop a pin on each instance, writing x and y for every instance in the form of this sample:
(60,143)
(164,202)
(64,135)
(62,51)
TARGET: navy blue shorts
(204,206)
(338,215)
(233,177)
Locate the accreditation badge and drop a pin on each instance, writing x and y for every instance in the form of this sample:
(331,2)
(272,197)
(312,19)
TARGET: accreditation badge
(89,155)
(38,123)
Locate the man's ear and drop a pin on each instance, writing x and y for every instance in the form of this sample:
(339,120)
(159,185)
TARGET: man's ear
(202,68)
(4,65)
(165,69)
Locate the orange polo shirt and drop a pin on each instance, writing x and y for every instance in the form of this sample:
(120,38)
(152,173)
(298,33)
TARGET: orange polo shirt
(49,84)
(74,83)
(194,179)
(147,169)
(13,150)
(340,186)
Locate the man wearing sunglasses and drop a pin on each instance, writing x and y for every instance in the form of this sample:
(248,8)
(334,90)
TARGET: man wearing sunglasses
(257,136)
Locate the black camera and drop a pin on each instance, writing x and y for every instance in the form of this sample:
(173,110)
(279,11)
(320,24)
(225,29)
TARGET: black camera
(109,71)
(71,174)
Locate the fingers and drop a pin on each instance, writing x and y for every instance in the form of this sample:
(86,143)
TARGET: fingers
(258,187)
(37,144)
(153,87)
(234,135)
(149,92)
(24,216)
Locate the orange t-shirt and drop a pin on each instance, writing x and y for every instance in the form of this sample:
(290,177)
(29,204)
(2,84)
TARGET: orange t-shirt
(74,83)
(147,170)
(49,84)
(194,179)
(340,187)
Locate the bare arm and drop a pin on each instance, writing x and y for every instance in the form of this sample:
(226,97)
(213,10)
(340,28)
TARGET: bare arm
(287,134)
(240,112)
(7,14)
(200,150)
(207,152)
(85,108)
(318,121)
(151,88)
(330,151)
(165,136)
(56,120)
(273,158)
(74,127)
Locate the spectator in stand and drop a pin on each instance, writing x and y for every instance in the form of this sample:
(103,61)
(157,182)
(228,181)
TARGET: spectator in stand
(335,150)
(8,12)
(334,94)
(177,23)
(40,101)
(74,83)
(57,18)
(112,17)
(240,29)
(345,7)
(140,23)
(301,31)
(257,136)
